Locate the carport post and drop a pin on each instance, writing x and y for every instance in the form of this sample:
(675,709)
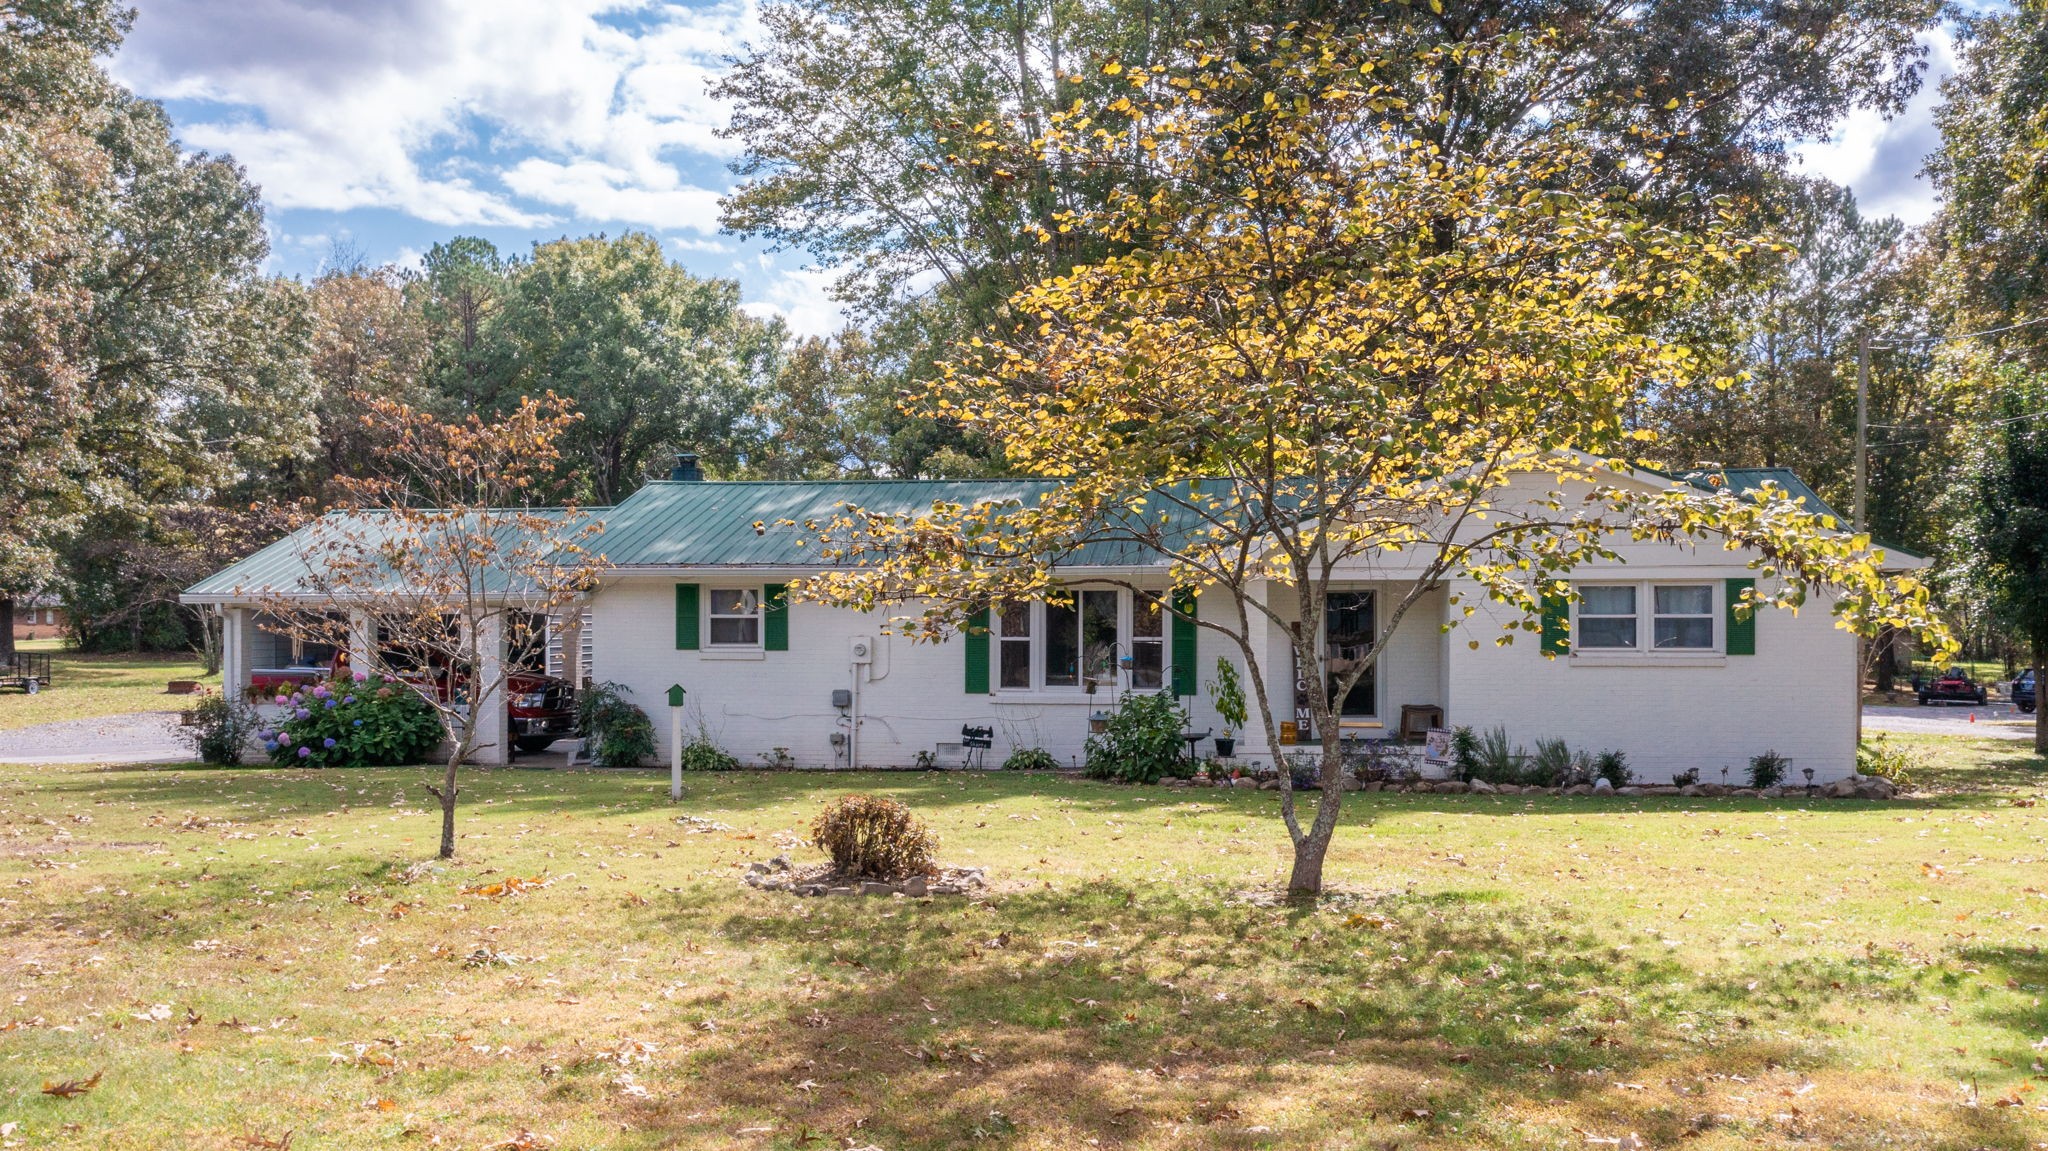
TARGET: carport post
(675,742)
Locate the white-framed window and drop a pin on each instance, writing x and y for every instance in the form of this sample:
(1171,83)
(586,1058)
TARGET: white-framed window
(1682,617)
(1104,635)
(1607,617)
(1660,616)
(734,617)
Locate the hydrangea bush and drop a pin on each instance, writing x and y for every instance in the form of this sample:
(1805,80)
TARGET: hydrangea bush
(353,721)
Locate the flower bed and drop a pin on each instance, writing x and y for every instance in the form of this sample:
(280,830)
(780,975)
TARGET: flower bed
(353,721)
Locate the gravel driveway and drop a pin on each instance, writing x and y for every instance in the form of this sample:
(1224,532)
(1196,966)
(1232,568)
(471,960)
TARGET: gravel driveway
(141,737)
(1994,720)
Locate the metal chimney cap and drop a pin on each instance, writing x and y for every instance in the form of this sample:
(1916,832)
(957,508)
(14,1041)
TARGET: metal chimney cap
(686,467)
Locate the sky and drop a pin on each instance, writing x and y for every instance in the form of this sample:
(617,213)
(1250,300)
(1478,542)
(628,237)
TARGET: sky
(386,126)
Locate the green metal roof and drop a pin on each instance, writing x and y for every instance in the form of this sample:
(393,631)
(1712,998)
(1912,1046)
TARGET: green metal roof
(281,570)
(699,523)
(1747,480)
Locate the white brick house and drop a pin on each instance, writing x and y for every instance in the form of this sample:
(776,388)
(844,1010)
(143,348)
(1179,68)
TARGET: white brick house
(1652,661)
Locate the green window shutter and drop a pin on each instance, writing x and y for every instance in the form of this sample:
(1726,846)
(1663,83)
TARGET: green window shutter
(976,634)
(1183,654)
(775,617)
(1557,624)
(687,614)
(1741,631)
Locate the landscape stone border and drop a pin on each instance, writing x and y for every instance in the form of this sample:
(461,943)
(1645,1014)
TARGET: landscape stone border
(1848,787)
(779,874)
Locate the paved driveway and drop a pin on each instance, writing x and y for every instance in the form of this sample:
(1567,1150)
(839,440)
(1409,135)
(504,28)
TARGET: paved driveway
(1993,720)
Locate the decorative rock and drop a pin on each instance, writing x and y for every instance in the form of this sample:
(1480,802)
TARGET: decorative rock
(1603,785)
(811,889)
(1628,791)
(1450,787)
(757,868)
(780,863)
(1714,790)
(1744,793)
(840,891)
(1841,789)
(1481,787)
(1772,793)
(1874,788)
(1373,785)
(1270,785)
(1244,784)
(871,887)
(1508,788)
(1691,791)
(1660,789)
(1579,789)
(916,887)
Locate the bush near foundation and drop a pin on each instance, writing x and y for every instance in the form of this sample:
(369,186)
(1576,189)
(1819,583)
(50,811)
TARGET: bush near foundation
(359,721)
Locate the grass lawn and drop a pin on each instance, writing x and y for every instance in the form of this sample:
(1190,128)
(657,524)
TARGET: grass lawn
(239,954)
(88,686)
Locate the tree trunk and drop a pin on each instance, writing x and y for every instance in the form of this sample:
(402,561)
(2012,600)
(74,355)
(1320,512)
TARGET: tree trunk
(1307,876)
(6,629)
(1886,658)
(212,626)
(2040,713)
(447,794)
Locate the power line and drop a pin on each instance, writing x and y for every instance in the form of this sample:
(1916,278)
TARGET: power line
(1962,335)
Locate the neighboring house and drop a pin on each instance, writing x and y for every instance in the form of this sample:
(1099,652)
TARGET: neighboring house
(1652,661)
(39,617)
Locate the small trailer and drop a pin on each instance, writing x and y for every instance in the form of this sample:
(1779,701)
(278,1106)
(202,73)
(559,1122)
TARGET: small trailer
(27,671)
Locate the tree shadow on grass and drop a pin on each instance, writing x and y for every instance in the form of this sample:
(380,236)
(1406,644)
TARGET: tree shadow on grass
(1150,1015)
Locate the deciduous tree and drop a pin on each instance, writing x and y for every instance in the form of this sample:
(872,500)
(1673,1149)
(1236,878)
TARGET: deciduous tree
(446,550)
(1325,341)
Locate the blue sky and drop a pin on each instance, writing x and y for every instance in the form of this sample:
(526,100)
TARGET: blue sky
(392,124)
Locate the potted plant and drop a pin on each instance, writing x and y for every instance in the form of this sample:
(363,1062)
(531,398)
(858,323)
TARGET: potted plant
(1226,691)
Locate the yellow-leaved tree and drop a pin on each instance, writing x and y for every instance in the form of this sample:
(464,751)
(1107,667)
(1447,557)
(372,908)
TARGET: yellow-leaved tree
(1323,341)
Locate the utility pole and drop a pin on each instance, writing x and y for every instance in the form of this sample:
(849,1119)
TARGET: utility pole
(1862,516)
(1859,516)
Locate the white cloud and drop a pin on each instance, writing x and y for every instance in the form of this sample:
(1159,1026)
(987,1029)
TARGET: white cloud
(597,191)
(1881,159)
(416,106)
(803,298)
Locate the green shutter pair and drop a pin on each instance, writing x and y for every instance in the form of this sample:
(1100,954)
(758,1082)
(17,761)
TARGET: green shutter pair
(774,617)
(1182,656)
(1739,634)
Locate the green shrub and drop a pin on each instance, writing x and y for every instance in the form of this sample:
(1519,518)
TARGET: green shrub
(359,721)
(616,730)
(1767,770)
(1491,757)
(1031,759)
(1880,757)
(1612,766)
(219,728)
(1552,765)
(1686,778)
(1143,742)
(701,754)
(1465,751)
(870,836)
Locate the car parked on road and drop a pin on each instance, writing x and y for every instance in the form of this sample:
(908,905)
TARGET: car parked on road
(1952,686)
(2023,691)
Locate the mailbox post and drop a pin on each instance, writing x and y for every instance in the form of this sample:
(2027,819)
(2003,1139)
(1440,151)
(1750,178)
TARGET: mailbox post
(675,742)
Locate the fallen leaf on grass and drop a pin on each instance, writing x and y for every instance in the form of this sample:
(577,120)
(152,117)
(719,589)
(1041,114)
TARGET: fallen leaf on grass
(281,1143)
(522,1140)
(512,886)
(73,1088)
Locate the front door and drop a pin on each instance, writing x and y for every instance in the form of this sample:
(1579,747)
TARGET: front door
(1349,630)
